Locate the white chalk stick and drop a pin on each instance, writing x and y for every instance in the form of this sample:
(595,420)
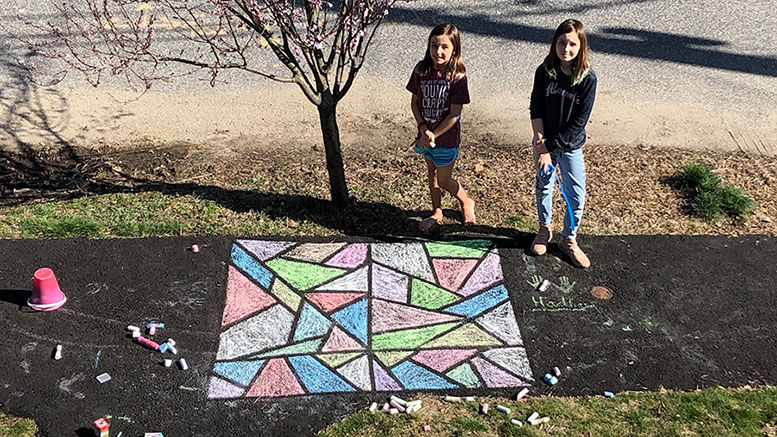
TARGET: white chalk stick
(58,352)
(521,394)
(373,407)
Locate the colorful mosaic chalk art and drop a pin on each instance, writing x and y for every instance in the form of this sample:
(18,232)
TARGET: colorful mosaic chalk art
(309,318)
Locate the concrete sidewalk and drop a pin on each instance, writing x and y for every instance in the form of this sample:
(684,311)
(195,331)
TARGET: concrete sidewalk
(685,312)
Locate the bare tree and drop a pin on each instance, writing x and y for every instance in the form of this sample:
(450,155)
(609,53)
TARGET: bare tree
(322,45)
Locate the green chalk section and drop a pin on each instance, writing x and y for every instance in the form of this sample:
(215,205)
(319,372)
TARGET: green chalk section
(334,360)
(408,338)
(285,295)
(458,249)
(302,275)
(467,336)
(305,347)
(464,376)
(426,295)
(393,357)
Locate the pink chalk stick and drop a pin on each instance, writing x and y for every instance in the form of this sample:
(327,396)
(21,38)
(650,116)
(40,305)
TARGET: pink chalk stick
(148,343)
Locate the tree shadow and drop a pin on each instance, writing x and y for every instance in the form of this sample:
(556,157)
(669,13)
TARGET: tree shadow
(681,49)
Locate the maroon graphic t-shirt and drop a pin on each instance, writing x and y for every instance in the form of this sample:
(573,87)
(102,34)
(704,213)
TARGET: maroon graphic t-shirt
(436,95)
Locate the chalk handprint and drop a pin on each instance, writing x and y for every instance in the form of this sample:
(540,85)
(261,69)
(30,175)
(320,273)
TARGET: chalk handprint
(565,285)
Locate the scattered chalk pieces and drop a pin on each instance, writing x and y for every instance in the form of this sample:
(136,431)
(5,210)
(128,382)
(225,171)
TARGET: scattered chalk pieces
(503,409)
(58,352)
(470,399)
(557,371)
(533,417)
(484,408)
(550,379)
(544,286)
(373,407)
(516,422)
(195,248)
(427,428)
(168,362)
(103,378)
(393,411)
(452,398)
(521,394)
(182,364)
(609,394)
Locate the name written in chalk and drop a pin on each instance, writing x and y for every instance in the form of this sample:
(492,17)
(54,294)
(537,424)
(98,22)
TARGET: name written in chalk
(544,304)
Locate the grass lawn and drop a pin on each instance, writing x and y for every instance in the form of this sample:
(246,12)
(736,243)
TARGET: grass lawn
(712,412)
(13,427)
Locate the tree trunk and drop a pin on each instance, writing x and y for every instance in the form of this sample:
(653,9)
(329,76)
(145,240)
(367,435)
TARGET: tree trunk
(327,112)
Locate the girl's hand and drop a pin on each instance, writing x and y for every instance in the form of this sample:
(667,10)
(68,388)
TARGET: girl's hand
(426,140)
(429,137)
(543,159)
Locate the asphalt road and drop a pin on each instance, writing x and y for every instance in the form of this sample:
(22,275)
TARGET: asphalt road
(703,319)
(702,52)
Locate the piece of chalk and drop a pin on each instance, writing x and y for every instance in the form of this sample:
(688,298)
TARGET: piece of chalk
(195,248)
(545,284)
(533,417)
(172,349)
(168,362)
(452,398)
(427,428)
(146,342)
(132,328)
(503,409)
(163,347)
(557,371)
(397,406)
(152,330)
(545,419)
(609,394)
(415,402)
(411,409)
(386,407)
(516,422)
(393,411)
(150,325)
(373,407)
(550,379)
(398,400)
(470,399)
(521,394)
(183,364)
(58,352)
(171,342)
(103,378)
(484,408)
(135,334)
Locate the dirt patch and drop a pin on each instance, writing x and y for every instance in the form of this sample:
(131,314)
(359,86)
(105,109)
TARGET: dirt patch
(631,190)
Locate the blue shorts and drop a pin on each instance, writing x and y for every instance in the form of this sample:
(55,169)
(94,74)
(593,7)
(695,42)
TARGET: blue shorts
(440,156)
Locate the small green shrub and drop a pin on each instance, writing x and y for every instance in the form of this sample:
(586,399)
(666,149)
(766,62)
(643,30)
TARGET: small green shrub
(712,198)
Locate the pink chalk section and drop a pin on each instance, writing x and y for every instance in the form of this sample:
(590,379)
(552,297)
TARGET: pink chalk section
(443,359)
(487,273)
(243,298)
(331,301)
(390,316)
(494,376)
(452,272)
(349,257)
(340,341)
(219,388)
(275,380)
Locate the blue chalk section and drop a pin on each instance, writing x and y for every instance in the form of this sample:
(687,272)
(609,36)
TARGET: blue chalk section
(311,324)
(416,377)
(354,319)
(248,264)
(242,372)
(317,378)
(480,303)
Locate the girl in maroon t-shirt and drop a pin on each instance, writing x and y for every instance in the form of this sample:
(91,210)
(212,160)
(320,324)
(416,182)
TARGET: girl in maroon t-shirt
(439,87)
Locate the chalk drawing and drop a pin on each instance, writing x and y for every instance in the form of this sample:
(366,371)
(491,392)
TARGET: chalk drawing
(544,304)
(316,318)
(564,285)
(96,287)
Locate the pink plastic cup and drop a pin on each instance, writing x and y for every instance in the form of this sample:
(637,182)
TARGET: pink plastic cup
(46,294)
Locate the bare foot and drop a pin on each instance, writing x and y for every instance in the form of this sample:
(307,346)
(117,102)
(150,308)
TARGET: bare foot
(468,211)
(428,223)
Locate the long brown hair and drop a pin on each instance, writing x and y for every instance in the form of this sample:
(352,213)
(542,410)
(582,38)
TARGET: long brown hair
(455,66)
(581,64)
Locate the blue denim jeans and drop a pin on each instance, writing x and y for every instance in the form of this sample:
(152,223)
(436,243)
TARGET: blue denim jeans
(572,170)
